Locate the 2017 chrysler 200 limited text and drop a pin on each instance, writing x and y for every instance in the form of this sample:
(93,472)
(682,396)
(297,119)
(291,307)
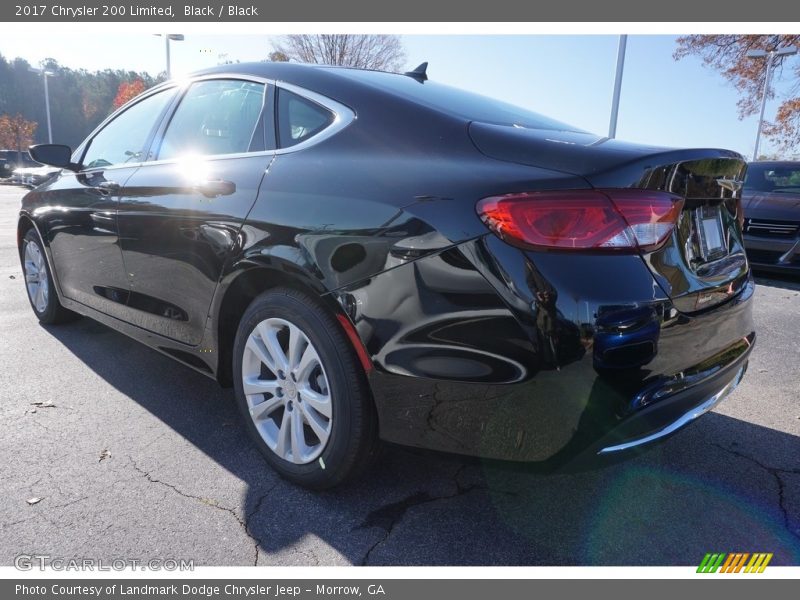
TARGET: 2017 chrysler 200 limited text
(366,255)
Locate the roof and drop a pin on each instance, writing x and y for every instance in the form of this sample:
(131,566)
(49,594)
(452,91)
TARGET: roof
(283,71)
(328,80)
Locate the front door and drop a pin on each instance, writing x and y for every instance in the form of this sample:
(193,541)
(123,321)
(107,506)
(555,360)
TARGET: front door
(82,224)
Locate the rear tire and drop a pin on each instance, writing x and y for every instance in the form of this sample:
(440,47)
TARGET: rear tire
(302,391)
(39,282)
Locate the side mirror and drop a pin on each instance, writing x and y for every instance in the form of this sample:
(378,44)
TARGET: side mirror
(56,155)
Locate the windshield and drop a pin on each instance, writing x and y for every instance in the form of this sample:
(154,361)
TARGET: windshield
(773,178)
(468,105)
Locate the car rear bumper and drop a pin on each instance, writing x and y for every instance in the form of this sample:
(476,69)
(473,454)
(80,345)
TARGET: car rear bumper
(670,415)
(464,363)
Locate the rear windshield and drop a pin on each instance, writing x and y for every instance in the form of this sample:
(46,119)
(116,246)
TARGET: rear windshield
(470,106)
(773,177)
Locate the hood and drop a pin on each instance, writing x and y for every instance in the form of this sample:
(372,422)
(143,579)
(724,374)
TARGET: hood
(776,206)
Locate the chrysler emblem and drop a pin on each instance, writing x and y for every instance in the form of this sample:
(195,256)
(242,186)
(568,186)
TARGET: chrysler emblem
(733,185)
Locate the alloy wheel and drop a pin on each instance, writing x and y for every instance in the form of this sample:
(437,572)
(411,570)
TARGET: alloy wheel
(287,391)
(36,276)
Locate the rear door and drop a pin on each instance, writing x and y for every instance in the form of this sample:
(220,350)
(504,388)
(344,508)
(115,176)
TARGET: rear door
(180,214)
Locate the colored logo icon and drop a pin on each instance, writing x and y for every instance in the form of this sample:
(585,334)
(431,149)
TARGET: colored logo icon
(735,562)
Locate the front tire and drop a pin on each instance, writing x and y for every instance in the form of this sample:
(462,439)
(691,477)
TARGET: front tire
(39,282)
(302,391)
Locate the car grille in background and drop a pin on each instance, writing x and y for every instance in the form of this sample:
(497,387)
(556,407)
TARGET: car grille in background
(764,257)
(764,227)
(769,257)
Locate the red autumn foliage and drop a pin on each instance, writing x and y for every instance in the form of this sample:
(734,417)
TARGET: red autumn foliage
(127,91)
(16,133)
(728,55)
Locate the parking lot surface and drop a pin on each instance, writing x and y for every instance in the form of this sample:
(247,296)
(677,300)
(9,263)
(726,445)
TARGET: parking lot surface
(135,456)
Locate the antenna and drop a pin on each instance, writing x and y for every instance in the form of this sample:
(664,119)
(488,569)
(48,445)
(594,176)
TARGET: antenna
(419,73)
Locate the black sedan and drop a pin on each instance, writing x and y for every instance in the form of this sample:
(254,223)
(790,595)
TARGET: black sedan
(771,201)
(367,256)
(11,160)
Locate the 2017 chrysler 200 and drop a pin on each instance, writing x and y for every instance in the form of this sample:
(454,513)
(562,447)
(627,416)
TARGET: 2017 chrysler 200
(367,256)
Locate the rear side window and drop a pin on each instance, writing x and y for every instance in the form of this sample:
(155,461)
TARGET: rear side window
(220,116)
(299,118)
(124,140)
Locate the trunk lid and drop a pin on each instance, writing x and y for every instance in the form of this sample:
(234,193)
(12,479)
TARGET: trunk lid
(703,263)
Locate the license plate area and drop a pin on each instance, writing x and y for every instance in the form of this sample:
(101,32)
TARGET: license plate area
(711,238)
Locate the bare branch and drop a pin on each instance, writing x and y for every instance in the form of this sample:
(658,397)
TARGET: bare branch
(380,52)
(728,55)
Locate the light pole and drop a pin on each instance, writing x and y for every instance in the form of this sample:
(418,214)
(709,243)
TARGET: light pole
(45,74)
(612,126)
(770,56)
(175,37)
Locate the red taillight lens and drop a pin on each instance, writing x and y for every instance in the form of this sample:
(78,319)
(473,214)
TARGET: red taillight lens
(622,220)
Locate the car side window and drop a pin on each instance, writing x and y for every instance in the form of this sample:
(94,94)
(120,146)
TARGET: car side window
(299,118)
(124,139)
(220,116)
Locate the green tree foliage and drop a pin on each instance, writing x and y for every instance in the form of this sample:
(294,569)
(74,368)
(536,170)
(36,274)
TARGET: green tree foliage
(79,99)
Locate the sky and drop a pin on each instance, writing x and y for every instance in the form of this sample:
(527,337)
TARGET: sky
(568,77)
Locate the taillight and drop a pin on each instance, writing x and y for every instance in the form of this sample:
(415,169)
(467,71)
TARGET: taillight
(620,219)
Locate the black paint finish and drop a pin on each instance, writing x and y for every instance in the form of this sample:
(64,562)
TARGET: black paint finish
(174,229)
(79,217)
(473,346)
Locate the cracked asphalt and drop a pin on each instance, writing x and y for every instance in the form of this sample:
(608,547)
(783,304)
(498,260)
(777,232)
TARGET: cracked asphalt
(135,456)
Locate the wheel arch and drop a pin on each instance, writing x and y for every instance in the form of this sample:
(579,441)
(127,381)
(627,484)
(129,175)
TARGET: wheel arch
(24,225)
(247,283)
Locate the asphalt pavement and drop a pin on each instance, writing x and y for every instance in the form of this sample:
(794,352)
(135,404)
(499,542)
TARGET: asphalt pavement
(132,455)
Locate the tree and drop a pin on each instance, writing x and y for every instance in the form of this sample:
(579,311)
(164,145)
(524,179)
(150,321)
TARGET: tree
(79,99)
(16,132)
(728,55)
(128,90)
(381,52)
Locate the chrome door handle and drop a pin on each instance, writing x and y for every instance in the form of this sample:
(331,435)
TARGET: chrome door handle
(211,188)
